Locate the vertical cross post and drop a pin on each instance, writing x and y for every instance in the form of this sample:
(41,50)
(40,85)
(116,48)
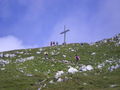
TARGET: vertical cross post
(64,32)
(64,35)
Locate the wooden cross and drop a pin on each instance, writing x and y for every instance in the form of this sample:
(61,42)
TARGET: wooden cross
(64,32)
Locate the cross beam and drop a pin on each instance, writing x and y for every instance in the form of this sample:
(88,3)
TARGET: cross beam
(64,32)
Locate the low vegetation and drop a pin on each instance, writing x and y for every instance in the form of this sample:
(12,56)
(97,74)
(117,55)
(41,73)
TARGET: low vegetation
(97,69)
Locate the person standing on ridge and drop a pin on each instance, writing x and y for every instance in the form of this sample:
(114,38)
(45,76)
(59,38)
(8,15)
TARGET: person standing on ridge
(56,43)
(51,43)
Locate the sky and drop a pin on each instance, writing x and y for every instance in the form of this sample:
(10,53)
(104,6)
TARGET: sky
(34,23)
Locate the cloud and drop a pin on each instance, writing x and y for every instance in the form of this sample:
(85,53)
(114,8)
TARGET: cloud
(22,18)
(41,21)
(11,43)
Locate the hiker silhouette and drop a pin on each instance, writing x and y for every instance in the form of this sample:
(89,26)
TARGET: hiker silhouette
(77,58)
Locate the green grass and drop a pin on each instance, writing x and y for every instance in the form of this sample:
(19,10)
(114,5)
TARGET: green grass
(43,71)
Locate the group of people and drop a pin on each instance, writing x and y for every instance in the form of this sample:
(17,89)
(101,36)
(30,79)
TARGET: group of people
(53,43)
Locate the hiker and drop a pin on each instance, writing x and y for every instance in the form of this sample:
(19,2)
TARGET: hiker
(46,55)
(77,58)
(51,43)
(81,43)
(56,43)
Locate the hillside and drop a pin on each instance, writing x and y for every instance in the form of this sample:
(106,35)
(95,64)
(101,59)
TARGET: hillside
(97,69)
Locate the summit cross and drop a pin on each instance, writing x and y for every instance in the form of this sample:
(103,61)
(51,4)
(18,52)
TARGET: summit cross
(64,32)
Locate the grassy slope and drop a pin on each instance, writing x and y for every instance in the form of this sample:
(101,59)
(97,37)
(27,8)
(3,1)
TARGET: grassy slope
(43,71)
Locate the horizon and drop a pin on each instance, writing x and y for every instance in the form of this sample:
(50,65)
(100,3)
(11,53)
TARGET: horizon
(91,43)
(35,23)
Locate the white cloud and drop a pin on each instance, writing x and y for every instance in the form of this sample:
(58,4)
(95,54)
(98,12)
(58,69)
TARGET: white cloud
(10,43)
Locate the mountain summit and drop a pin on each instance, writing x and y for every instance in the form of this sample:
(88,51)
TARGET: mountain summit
(30,69)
